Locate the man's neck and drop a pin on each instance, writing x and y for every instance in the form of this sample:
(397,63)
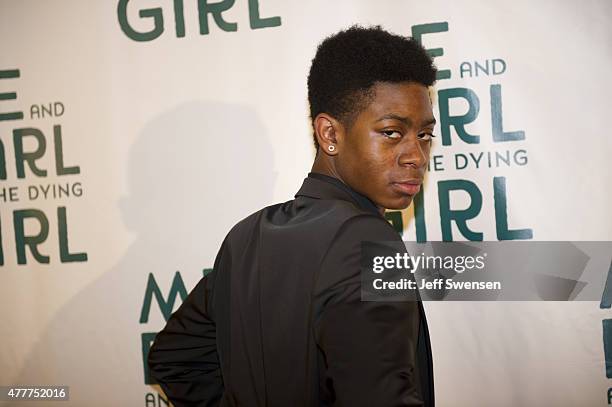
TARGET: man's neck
(324,165)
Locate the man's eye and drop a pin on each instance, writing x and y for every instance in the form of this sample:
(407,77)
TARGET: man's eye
(392,134)
(426,136)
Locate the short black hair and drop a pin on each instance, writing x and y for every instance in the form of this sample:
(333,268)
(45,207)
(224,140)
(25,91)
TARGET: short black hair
(347,64)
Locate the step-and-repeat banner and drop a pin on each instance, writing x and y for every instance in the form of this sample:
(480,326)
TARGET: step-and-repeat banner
(135,133)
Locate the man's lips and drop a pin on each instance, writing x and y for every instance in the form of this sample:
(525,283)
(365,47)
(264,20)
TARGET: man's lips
(410,187)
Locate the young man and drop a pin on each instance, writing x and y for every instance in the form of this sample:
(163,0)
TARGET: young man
(279,321)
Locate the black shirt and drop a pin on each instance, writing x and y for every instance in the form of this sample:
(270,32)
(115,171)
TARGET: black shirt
(280,322)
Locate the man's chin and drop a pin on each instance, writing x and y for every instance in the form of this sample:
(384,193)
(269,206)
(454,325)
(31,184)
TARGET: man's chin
(399,204)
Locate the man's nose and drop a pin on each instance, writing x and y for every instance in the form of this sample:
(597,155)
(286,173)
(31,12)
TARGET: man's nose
(413,153)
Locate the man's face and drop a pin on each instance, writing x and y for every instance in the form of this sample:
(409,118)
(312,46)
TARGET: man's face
(385,153)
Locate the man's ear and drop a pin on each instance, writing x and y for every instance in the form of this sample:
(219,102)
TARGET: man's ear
(329,132)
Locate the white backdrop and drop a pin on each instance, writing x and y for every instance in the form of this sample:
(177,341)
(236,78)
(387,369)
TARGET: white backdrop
(168,142)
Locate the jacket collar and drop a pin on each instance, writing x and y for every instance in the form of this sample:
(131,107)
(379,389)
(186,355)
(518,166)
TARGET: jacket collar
(320,186)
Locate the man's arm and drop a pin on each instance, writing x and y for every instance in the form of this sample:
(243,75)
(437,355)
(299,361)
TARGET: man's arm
(369,347)
(183,358)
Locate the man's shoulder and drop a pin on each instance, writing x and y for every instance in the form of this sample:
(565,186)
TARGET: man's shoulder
(323,217)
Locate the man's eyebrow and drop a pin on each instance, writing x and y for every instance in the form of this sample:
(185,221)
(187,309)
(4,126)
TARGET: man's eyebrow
(394,116)
(406,120)
(429,122)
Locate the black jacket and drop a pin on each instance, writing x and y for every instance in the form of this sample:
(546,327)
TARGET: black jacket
(280,322)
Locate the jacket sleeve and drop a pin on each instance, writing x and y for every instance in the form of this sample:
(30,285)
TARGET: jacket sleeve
(369,348)
(183,359)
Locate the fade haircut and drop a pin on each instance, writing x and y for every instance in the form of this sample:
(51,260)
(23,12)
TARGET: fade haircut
(349,63)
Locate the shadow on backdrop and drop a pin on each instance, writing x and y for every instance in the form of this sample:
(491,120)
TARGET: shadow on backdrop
(193,173)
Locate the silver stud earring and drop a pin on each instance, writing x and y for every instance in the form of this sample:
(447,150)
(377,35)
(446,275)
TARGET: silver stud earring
(331,148)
